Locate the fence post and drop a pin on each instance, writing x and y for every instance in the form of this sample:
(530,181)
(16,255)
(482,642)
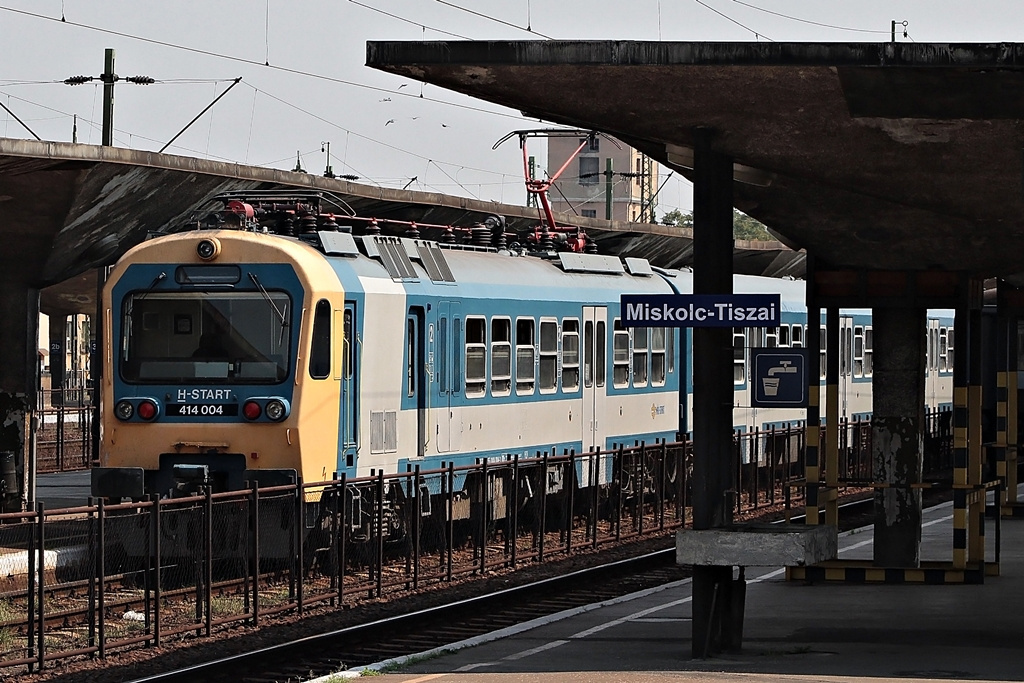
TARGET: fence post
(513,532)
(595,479)
(341,536)
(254,529)
(91,588)
(101,571)
(484,499)
(154,545)
(379,559)
(571,502)
(40,587)
(417,511)
(450,480)
(300,541)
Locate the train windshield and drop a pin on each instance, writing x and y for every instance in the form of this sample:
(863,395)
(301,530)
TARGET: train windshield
(206,337)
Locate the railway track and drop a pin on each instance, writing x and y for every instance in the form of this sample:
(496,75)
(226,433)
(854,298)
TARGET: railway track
(358,646)
(355,647)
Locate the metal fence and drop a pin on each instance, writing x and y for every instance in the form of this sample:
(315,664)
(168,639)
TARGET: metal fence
(83,581)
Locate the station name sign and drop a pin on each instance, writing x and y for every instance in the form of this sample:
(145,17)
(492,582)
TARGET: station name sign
(700,310)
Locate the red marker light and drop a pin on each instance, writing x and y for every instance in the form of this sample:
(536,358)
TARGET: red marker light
(251,410)
(147,410)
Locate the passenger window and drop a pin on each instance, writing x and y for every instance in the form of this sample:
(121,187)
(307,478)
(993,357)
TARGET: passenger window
(601,360)
(858,351)
(739,367)
(320,345)
(570,355)
(525,356)
(798,336)
(476,356)
(548,356)
(784,336)
(670,349)
(501,356)
(658,356)
(868,346)
(620,357)
(823,343)
(640,340)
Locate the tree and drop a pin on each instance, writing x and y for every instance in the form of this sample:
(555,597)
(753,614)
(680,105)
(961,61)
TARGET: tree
(678,218)
(743,226)
(746,228)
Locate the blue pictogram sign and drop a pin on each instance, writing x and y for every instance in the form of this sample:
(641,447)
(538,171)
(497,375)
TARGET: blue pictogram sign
(779,378)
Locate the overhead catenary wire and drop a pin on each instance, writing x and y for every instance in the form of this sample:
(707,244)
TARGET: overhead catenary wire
(806,21)
(408,21)
(728,18)
(253,62)
(526,28)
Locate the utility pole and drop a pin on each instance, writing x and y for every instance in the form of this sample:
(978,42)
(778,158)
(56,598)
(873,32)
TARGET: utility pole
(608,186)
(108,78)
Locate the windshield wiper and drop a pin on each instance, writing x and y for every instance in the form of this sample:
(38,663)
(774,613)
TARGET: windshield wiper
(280,313)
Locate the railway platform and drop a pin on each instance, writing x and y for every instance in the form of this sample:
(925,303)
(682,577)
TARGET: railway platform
(792,631)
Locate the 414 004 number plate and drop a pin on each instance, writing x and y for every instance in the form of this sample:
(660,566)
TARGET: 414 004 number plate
(202,409)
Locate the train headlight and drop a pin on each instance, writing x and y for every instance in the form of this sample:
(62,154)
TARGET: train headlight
(251,410)
(208,248)
(275,410)
(124,410)
(147,410)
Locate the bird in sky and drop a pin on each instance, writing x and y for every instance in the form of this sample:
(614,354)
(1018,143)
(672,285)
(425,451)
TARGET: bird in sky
(386,99)
(401,86)
(389,122)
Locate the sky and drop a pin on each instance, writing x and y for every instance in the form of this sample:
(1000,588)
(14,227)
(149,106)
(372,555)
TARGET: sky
(305,84)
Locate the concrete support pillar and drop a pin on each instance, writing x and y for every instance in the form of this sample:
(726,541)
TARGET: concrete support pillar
(898,433)
(714,619)
(812,442)
(19,380)
(58,358)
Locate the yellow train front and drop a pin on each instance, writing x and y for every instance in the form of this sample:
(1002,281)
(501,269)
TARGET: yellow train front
(219,360)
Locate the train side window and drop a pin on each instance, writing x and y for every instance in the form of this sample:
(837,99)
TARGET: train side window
(670,348)
(657,356)
(442,354)
(410,354)
(784,336)
(797,340)
(476,356)
(570,355)
(858,351)
(601,354)
(457,355)
(739,368)
(868,350)
(771,337)
(823,353)
(641,335)
(620,355)
(946,354)
(588,354)
(548,356)
(349,339)
(501,356)
(526,352)
(320,345)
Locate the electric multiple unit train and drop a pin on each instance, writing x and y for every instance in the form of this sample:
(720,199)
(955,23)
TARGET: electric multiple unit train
(280,347)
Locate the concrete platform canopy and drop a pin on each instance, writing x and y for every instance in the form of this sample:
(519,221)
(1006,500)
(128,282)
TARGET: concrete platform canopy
(67,209)
(883,156)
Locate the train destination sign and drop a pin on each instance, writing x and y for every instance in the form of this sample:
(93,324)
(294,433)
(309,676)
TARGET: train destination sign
(700,310)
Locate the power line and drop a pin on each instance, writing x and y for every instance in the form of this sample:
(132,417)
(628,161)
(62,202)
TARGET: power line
(727,17)
(253,62)
(500,21)
(409,21)
(805,21)
(360,135)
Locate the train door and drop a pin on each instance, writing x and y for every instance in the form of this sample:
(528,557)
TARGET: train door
(447,359)
(595,356)
(416,384)
(845,364)
(932,356)
(349,411)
